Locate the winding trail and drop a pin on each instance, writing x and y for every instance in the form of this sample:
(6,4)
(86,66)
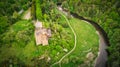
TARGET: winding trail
(75,38)
(101,60)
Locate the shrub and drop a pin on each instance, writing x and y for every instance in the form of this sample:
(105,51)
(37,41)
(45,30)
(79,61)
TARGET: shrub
(3,24)
(38,10)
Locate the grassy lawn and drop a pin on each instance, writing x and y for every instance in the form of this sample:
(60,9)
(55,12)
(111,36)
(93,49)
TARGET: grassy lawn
(87,41)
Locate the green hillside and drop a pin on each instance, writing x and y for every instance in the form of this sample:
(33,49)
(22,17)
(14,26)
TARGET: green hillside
(73,43)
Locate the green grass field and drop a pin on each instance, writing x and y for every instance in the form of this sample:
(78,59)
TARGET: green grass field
(87,41)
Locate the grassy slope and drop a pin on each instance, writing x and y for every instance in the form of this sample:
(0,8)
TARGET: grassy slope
(86,39)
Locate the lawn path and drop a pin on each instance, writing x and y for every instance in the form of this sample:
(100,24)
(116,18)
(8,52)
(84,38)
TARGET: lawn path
(59,62)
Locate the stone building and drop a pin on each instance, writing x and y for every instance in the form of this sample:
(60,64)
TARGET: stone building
(41,34)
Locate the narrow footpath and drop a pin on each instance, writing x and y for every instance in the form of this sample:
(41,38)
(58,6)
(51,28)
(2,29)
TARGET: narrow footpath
(59,62)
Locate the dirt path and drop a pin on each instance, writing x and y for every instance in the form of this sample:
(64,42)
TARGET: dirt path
(59,62)
(102,55)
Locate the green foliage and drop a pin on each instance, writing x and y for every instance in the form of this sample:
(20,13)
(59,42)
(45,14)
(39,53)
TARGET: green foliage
(107,15)
(9,12)
(84,43)
(22,37)
(9,38)
(45,10)
(38,10)
(15,40)
(114,50)
(17,45)
(15,15)
(33,10)
(46,17)
(3,24)
(20,40)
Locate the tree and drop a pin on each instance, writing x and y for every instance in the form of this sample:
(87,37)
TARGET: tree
(38,10)
(3,24)
(33,10)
